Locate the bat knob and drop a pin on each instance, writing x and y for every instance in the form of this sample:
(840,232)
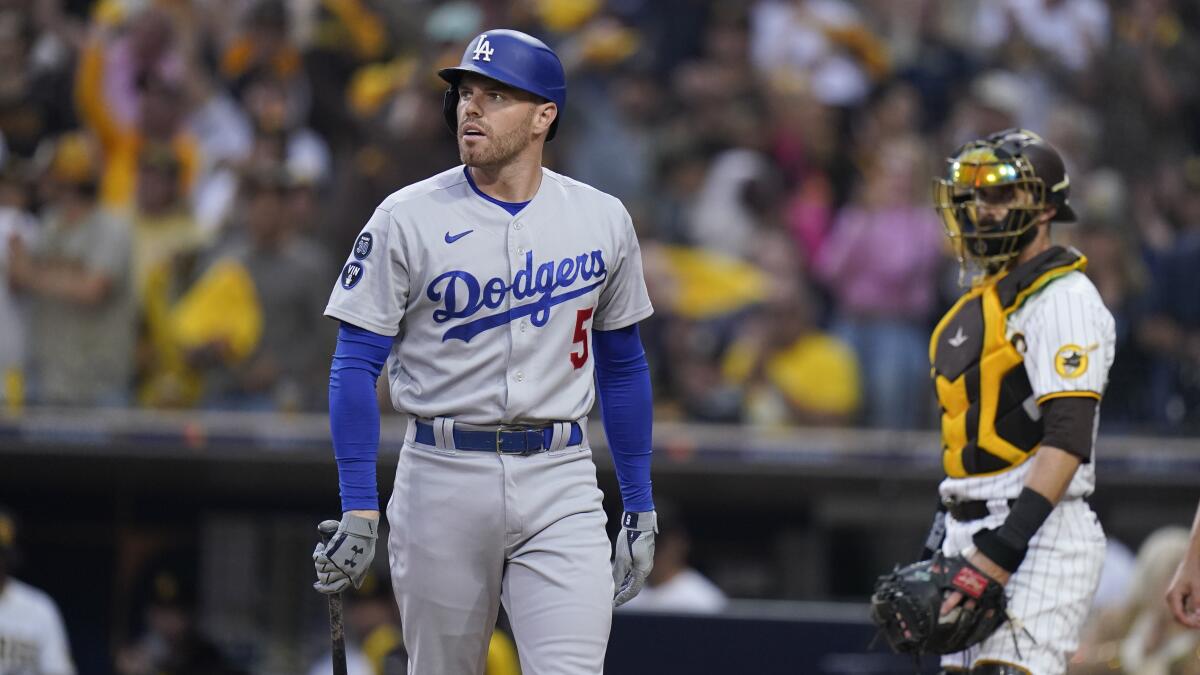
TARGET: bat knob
(327,529)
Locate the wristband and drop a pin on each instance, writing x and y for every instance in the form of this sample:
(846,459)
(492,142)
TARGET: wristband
(1007,545)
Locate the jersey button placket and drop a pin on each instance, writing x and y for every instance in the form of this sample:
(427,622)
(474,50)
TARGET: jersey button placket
(519,334)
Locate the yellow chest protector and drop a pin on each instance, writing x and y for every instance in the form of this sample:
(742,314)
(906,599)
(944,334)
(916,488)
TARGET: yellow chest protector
(990,418)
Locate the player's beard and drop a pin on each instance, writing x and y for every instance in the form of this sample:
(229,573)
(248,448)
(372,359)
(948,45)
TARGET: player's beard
(499,149)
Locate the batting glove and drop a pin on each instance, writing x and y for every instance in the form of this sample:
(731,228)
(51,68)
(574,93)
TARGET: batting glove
(634,554)
(348,556)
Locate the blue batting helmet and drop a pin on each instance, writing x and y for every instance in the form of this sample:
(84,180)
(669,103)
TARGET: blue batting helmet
(513,58)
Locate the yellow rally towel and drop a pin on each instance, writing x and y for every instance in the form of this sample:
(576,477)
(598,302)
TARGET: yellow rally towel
(817,372)
(222,307)
(710,284)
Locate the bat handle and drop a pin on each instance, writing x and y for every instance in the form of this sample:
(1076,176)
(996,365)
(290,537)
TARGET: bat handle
(327,529)
(337,631)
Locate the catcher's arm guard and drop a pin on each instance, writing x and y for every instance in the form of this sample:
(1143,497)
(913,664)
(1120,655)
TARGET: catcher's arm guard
(907,606)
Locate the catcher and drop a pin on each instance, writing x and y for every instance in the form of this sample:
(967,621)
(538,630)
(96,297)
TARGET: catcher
(1019,365)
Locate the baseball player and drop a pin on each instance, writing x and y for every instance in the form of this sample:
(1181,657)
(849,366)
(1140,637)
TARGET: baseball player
(1019,365)
(496,292)
(32,636)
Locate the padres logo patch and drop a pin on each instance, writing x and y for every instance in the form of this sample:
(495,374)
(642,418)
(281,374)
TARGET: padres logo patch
(1071,361)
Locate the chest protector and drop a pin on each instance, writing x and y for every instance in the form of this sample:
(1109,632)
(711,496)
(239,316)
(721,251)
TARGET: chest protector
(990,418)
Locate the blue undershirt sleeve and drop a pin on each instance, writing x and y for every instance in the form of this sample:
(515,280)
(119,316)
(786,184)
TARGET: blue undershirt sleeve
(623,385)
(354,413)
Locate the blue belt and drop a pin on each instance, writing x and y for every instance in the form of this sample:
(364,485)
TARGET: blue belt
(504,441)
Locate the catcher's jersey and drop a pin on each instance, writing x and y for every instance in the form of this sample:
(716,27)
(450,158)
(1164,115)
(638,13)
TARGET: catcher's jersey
(493,312)
(1058,340)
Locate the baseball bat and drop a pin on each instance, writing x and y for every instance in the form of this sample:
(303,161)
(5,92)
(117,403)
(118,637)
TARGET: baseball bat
(337,629)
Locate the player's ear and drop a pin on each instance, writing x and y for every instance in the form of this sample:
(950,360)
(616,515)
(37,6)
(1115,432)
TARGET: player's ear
(543,116)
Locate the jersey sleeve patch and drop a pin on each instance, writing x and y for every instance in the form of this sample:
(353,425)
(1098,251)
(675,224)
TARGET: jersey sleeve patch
(1071,360)
(352,273)
(362,247)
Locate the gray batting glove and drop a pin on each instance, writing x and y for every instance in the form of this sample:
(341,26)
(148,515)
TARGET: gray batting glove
(634,554)
(348,556)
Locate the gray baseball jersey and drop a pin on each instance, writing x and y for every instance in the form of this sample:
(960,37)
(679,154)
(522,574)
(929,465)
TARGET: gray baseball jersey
(492,315)
(492,312)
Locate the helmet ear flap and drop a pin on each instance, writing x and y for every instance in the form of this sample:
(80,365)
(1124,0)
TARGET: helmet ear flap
(450,109)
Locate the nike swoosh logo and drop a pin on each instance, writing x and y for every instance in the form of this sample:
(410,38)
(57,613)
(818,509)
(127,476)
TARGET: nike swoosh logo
(450,239)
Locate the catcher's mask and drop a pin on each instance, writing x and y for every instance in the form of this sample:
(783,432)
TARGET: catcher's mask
(993,192)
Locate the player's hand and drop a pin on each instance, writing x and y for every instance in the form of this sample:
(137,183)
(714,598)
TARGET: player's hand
(1183,595)
(985,565)
(634,554)
(348,557)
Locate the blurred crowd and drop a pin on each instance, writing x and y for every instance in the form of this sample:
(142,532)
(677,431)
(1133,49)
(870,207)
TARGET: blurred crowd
(180,180)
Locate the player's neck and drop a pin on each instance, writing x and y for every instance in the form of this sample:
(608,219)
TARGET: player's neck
(1035,248)
(514,182)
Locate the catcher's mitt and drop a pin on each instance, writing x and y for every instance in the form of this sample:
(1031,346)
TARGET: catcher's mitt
(907,606)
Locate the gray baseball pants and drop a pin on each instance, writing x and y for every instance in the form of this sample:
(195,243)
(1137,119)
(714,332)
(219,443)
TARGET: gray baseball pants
(470,530)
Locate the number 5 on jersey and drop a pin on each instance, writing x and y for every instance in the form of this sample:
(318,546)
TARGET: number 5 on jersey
(581,337)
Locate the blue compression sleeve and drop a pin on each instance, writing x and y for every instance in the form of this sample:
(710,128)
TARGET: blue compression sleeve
(623,383)
(354,413)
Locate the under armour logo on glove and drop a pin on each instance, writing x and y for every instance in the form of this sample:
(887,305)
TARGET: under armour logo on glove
(332,577)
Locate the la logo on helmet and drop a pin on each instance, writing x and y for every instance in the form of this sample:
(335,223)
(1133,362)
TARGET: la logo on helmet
(483,49)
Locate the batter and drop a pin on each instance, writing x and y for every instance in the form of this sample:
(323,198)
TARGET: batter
(497,293)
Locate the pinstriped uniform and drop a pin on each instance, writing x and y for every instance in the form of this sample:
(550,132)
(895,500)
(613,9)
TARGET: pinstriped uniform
(1069,338)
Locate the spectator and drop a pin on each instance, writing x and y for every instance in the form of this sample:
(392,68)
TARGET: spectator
(1070,31)
(31,629)
(1149,88)
(77,276)
(30,97)
(279,136)
(17,230)
(1171,331)
(290,278)
(880,264)
(825,40)
(140,49)
(263,46)
(159,121)
(788,371)
(163,228)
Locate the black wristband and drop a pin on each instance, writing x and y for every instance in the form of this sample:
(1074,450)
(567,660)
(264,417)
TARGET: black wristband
(1006,546)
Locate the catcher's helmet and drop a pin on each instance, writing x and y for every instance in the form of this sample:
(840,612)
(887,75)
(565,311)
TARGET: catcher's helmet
(514,58)
(1035,178)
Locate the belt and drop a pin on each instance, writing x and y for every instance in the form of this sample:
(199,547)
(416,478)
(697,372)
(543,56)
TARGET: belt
(503,440)
(966,511)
